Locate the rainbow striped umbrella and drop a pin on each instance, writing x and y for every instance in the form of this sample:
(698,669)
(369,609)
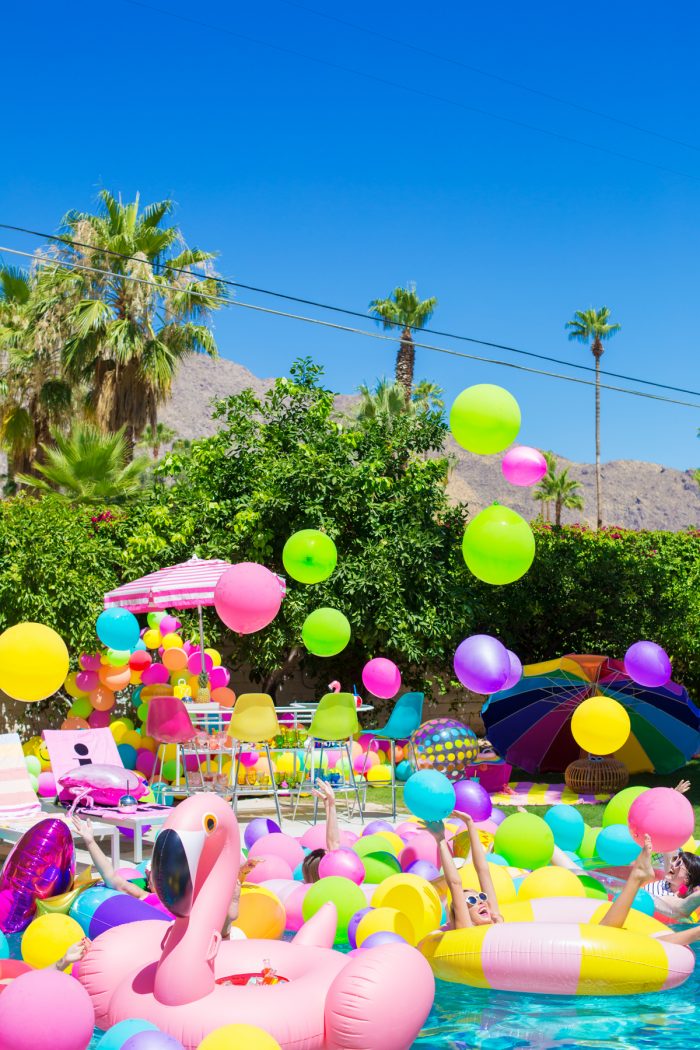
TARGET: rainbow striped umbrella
(530,724)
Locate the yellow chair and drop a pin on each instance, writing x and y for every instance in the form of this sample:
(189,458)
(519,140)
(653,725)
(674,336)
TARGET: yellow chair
(253,721)
(334,723)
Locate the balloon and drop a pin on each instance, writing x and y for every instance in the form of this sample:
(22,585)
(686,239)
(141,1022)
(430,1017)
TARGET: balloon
(152,639)
(381,677)
(153,619)
(617,809)
(665,815)
(219,677)
(616,846)
(33,662)
(140,660)
(567,825)
(172,640)
(75,723)
(309,556)
(89,661)
(647,664)
(258,828)
(152,1041)
(429,795)
(523,466)
(175,659)
(82,708)
(498,545)
(102,698)
(41,1009)
(344,862)
(550,882)
(326,632)
(643,901)
(215,656)
(600,725)
(525,841)
(115,1037)
(473,799)
(347,897)
(223,696)
(403,771)
(237,1035)
(118,657)
(118,629)
(114,678)
(156,674)
(71,685)
(587,849)
(168,625)
(47,938)
(247,597)
(484,419)
(194,663)
(482,663)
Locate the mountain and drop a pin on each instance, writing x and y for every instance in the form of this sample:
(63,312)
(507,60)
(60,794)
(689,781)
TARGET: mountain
(636,495)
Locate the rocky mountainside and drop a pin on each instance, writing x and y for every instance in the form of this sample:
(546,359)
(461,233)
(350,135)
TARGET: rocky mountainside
(636,495)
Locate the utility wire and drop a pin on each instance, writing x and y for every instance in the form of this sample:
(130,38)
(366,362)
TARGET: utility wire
(224,301)
(408,87)
(346,310)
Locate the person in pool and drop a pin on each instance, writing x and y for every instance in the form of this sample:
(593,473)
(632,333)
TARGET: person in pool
(479,907)
(310,865)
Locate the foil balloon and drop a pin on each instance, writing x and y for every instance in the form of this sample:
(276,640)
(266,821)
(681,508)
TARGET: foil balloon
(41,865)
(100,785)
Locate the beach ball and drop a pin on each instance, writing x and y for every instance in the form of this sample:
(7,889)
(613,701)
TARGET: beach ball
(617,809)
(326,632)
(600,725)
(525,841)
(443,744)
(482,664)
(616,846)
(247,597)
(498,545)
(259,828)
(484,419)
(233,1036)
(33,662)
(45,1009)
(309,556)
(647,664)
(429,795)
(381,677)
(663,814)
(118,629)
(567,825)
(523,466)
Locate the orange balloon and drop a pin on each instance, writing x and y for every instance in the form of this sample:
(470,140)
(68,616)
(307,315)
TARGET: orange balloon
(75,723)
(175,659)
(115,678)
(223,696)
(102,698)
(135,678)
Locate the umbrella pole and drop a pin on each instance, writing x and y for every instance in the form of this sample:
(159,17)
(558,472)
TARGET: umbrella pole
(203,676)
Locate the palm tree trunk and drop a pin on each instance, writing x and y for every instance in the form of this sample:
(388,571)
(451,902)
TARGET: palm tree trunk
(557,513)
(405,363)
(597,350)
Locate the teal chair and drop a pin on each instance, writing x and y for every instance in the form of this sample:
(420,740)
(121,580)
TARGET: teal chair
(334,723)
(404,719)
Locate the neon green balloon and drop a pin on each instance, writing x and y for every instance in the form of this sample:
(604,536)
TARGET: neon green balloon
(154,618)
(525,840)
(347,897)
(498,545)
(617,809)
(485,419)
(309,556)
(80,708)
(118,658)
(586,850)
(326,632)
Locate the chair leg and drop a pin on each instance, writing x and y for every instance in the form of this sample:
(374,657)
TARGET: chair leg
(354,782)
(158,764)
(236,767)
(393,781)
(274,783)
(310,747)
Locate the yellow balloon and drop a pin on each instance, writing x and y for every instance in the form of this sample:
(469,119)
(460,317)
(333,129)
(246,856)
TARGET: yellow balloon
(385,920)
(550,882)
(232,1036)
(379,775)
(600,725)
(47,939)
(33,662)
(502,882)
(261,914)
(215,656)
(71,688)
(153,639)
(170,641)
(413,897)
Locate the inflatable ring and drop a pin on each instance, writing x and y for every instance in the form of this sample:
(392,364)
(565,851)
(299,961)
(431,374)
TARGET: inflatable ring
(555,947)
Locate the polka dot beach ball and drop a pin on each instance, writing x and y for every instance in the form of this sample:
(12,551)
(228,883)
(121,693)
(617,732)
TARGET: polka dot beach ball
(443,744)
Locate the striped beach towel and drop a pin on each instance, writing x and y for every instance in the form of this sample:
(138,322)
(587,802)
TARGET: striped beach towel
(18,800)
(525,793)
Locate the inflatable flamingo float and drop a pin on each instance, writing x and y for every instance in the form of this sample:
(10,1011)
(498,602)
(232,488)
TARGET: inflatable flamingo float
(182,982)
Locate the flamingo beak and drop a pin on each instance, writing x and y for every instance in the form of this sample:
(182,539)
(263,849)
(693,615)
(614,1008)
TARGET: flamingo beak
(174,868)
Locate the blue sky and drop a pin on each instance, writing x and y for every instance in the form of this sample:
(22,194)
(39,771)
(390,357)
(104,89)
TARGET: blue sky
(311,179)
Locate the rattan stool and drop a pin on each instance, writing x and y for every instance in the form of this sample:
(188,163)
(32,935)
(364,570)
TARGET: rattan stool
(590,776)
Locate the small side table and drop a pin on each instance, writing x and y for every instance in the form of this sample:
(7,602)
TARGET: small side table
(145,817)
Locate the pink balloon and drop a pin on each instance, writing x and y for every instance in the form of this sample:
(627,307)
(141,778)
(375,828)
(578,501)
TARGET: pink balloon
(86,681)
(269,868)
(100,719)
(194,663)
(168,625)
(156,674)
(219,677)
(145,761)
(665,815)
(523,466)
(247,597)
(249,758)
(24,1025)
(419,847)
(90,661)
(278,845)
(343,862)
(381,677)
(293,905)
(47,785)
(314,837)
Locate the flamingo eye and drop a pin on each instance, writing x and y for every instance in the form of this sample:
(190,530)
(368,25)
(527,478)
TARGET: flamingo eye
(210,823)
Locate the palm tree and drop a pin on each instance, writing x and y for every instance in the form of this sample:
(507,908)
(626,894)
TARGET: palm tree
(591,326)
(126,337)
(403,309)
(388,400)
(427,397)
(88,466)
(155,439)
(559,489)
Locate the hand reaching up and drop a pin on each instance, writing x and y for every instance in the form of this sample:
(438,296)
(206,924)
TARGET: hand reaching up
(323,790)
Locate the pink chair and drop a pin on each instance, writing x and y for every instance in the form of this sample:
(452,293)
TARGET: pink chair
(168,722)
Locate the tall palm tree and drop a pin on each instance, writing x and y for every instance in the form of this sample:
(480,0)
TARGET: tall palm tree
(155,439)
(126,337)
(403,309)
(559,489)
(88,466)
(591,326)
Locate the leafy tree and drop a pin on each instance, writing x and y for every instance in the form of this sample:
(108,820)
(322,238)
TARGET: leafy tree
(559,489)
(153,440)
(87,467)
(388,402)
(591,326)
(403,309)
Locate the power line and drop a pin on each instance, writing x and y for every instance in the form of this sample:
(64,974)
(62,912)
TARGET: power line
(488,73)
(347,311)
(223,301)
(408,87)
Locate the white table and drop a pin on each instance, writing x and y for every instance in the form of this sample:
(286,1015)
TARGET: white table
(146,817)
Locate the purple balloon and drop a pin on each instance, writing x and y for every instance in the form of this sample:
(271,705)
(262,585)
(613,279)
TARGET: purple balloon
(375,940)
(497,815)
(515,673)
(424,869)
(377,826)
(40,865)
(354,923)
(258,829)
(482,664)
(647,664)
(472,799)
(152,1041)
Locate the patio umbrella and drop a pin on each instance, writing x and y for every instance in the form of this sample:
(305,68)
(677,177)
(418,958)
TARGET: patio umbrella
(530,724)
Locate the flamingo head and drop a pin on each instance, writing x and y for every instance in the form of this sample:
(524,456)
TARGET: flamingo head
(199,832)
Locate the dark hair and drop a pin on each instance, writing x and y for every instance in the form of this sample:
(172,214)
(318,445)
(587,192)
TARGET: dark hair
(692,865)
(310,864)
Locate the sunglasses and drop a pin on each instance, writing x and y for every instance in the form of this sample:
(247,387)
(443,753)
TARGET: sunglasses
(472,900)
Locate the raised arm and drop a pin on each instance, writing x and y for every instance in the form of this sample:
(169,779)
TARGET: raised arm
(234,906)
(324,791)
(103,863)
(481,867)
(460,912)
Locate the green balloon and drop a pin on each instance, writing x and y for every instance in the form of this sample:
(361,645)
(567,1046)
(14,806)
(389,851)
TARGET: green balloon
(118,658)
(309,556)
(380,866)
(33,765)
(80,708)
(525,840)
(154,618)
(326,632)
(347,897)
(498,545)
(586,850)
(617,809)
(373,844)
(593,887)
(485,419)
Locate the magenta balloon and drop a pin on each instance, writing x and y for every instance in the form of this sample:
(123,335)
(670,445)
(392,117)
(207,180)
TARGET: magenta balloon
(86,681)
(156,674)
(99,719)
(472,799)
(168,625)
(219,677)
(647,664)
(247,597)
(515,673)
(481,663)
(194,663)
(40,865)
(90,661)
(523,466)
(343,862)
(381,677)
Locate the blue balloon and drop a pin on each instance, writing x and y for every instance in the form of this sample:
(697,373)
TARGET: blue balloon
(83,909)
(4,946)
(298,874)
(643,902)
(118,629)
(403,770)
(429,795)
(567,826)
(616,846)
(115,1037)
(128,755)
(496,858)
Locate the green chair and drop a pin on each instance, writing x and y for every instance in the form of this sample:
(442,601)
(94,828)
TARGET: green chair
(334,723)
(404,719)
